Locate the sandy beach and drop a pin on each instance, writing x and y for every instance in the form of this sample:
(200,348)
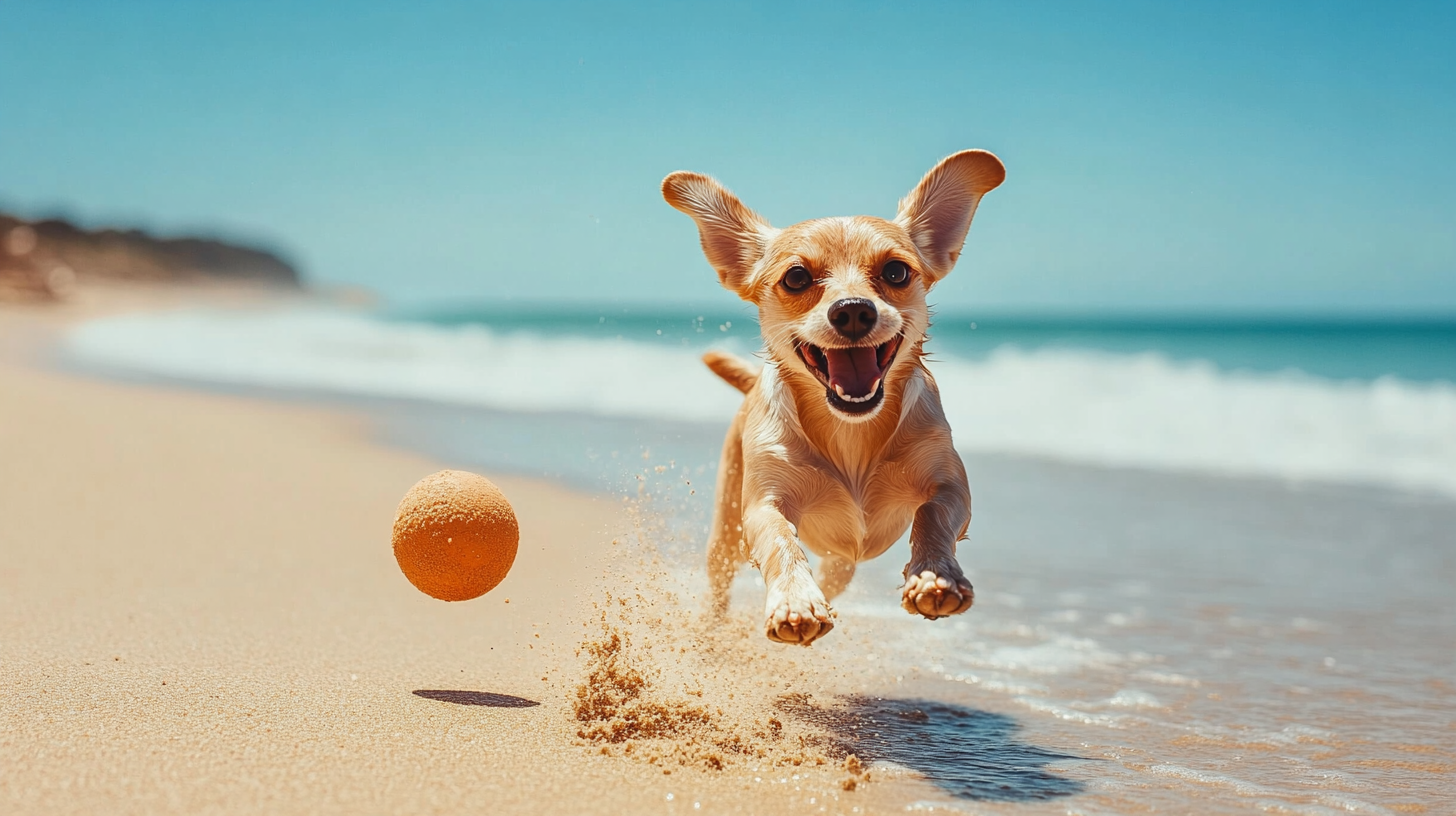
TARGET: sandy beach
(200,613)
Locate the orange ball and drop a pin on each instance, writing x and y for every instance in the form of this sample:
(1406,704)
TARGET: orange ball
(455,535)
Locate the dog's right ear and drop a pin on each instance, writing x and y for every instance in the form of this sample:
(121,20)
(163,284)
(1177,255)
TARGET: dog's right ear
(734,237)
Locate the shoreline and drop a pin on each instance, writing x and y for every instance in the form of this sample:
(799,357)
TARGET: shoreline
(1078,681)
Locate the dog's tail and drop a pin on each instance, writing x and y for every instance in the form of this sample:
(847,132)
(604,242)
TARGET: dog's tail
(736,371)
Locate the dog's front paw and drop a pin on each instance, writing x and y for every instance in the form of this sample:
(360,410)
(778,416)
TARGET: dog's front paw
(936,592)
(798,615)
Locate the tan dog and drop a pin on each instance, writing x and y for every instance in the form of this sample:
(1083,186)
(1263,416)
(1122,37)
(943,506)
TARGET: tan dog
(841,441)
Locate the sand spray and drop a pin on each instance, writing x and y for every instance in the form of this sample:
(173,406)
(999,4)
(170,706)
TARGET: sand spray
(663,680)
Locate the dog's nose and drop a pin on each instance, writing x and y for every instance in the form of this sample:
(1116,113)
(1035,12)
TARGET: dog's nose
(853,317)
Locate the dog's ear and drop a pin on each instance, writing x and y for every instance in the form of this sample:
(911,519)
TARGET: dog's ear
(938,212)
(734,237)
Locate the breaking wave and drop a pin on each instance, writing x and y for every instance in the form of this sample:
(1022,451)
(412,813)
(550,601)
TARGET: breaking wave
(1137,410)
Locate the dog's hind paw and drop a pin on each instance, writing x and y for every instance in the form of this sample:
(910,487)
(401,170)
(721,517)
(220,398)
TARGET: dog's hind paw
(936,595)
(800,618)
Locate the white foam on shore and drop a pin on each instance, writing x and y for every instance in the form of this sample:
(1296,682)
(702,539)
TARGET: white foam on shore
(1141,410)
(1148,411)
(469,365)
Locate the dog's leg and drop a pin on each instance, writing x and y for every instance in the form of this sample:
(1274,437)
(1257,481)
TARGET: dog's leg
(795,610)
(835,573)
(725,543)
(935,586)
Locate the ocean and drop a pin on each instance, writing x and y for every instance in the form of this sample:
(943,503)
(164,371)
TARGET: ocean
(1214,559)
(1369,403)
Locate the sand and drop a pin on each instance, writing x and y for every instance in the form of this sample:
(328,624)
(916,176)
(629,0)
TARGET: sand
(200,613)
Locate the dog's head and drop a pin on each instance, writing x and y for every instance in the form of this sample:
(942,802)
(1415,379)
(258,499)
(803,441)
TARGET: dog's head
(839,298)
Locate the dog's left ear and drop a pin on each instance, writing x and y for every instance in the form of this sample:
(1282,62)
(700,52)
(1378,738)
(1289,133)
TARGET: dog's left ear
(734,237)
(938,212)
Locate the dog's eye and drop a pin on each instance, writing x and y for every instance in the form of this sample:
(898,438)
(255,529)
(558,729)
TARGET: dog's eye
(797,279)
(895,273)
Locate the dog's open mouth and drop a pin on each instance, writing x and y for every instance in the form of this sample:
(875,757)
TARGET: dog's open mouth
(854,377)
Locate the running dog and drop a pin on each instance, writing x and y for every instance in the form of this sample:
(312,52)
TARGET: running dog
(841,442)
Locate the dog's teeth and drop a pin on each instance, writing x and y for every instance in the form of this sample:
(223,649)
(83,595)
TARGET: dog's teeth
(847,398)
(874,386)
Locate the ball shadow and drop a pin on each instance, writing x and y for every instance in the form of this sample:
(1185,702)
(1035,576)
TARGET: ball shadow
(967,753)
(475,698)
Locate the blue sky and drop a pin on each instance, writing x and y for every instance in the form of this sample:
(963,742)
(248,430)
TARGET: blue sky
(1165,157)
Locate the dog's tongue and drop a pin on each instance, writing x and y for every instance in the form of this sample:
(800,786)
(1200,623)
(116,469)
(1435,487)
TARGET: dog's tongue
(853,369)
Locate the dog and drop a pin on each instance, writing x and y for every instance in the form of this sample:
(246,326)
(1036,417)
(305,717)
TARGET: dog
(840,443)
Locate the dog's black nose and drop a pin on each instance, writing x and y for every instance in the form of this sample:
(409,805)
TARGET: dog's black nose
(853,317)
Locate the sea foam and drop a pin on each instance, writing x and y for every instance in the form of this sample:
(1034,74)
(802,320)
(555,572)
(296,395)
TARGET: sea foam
(1138,410)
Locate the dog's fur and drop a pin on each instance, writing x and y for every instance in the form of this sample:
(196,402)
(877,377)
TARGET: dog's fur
(807,462)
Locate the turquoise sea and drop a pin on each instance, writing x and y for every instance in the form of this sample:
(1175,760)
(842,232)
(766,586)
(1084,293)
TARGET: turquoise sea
(1416,349)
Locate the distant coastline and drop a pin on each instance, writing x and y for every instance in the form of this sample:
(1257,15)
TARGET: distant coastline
(46,259)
